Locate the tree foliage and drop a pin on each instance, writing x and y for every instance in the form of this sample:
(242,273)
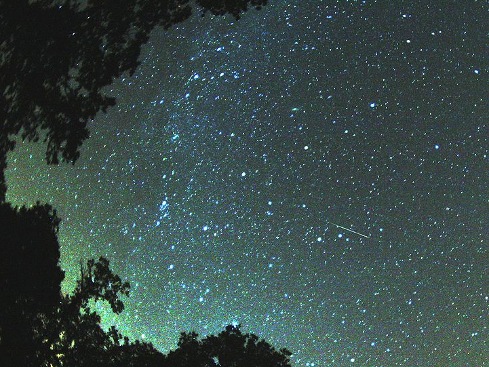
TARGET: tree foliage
(56,56)
(39,326)
(230,348)
(30,280)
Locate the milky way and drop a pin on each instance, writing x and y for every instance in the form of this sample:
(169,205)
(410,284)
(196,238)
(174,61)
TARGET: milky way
(316,171)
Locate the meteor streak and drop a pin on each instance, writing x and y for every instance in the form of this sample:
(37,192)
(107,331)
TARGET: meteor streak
(349,230)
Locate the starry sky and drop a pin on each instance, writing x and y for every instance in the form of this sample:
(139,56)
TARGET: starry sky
(316,171)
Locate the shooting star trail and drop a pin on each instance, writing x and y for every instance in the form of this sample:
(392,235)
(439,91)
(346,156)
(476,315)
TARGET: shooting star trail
(349,230)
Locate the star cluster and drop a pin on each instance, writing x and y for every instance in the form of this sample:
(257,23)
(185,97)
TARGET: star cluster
(316,171)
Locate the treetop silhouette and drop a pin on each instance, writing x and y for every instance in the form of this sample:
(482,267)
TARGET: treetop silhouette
(40,326)
(230,348)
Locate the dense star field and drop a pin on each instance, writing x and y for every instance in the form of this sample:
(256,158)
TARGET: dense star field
(316,171)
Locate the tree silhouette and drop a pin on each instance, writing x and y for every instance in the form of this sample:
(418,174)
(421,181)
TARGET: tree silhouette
(30,280)
(79,339)
(57,55)
(39,326)
(231,348)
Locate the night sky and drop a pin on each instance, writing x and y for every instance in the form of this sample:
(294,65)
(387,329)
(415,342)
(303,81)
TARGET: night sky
(316,171)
